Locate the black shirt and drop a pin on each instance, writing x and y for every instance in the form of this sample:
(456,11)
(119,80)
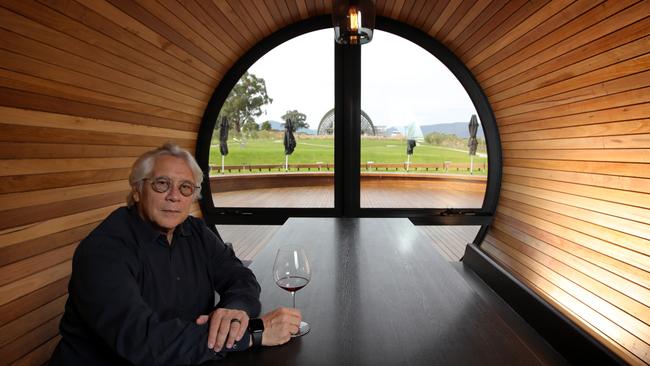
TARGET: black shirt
(134,299)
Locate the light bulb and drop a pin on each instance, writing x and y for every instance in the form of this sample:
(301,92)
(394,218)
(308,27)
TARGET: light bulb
(355,19)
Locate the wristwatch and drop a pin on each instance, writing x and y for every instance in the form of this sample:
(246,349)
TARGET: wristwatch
(256,328)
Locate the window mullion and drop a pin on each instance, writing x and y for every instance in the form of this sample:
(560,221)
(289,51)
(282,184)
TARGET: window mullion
(347,130)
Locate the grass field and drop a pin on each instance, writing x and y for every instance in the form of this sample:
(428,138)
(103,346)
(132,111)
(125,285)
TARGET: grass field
(310,150)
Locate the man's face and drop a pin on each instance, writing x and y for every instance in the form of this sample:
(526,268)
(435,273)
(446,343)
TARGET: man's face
(168,209)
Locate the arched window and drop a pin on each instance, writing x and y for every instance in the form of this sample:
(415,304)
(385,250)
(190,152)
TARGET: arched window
(437,158)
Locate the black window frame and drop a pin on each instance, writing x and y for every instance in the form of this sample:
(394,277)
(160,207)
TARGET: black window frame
(347,137)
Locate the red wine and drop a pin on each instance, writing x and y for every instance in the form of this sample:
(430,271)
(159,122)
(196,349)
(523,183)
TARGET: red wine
(292,283)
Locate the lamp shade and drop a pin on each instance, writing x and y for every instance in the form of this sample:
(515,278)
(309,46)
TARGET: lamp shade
(354,21)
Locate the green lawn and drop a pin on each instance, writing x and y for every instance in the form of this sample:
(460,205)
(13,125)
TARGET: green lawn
(394,151)
(271,151)
(312,150)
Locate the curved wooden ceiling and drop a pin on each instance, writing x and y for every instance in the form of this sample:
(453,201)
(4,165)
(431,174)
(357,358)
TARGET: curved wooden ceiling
(86,86)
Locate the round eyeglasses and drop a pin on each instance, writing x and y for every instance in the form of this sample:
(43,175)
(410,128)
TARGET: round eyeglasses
(164,184)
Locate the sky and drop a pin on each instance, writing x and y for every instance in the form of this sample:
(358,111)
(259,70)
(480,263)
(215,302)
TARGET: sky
(401,83)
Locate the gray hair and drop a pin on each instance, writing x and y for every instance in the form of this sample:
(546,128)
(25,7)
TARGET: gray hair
(143,167)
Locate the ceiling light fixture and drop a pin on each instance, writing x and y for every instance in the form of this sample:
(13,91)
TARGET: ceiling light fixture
(354,21)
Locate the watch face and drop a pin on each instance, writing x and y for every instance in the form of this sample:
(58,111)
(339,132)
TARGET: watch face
(255,325)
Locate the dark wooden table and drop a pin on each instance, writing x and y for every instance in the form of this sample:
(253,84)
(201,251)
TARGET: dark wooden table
(380,295)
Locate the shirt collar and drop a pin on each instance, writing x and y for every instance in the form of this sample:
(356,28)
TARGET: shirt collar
(184,228)
(145,232)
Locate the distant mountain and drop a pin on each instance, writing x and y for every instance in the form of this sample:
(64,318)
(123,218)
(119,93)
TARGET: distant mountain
(459,129)
(307,131)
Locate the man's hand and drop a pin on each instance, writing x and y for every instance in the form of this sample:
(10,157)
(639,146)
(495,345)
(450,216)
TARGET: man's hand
(279,325)
(226,325)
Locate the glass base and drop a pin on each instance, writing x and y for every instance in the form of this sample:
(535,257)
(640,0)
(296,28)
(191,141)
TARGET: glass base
(304,329)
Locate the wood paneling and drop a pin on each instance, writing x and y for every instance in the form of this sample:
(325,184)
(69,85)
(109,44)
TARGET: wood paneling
(569,88)
(556,43)
(626,75)
(32,320)
(24,117)
(95,77)
(43,244)
(9,237)
(148,68)
(596,324)
(23,345)
(40,355)
(618,114)
(42,102)
(87,86)
(118,25)
(33,300)
(37,166)
(24,268)
(40,212)
(556,22)
(614,130)
(586,234)
(595,35)
(25,183)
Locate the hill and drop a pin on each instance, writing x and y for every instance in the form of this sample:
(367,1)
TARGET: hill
(459,129)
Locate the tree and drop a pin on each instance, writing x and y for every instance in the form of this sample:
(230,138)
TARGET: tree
(245,102)
(297,119)
(266,126)
(250,125)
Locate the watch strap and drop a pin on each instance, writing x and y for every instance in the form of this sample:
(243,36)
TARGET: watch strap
(257,339)
(256,329)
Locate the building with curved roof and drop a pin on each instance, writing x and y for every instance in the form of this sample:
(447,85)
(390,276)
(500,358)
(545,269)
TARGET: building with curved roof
(326,125)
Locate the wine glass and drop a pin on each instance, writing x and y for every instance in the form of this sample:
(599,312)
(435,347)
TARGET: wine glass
(291,271)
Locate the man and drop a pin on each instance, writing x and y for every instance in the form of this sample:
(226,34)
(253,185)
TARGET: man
(143,283)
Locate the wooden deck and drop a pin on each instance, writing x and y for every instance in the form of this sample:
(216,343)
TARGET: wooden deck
(450,241)
(374,195)
(248,240)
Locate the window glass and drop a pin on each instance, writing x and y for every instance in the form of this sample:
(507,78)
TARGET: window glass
(416,139)
(265,165)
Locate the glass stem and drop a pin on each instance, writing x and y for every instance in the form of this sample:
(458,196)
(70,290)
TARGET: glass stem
(293,296)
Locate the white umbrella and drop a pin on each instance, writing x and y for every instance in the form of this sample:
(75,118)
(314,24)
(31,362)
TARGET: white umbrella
(413,133)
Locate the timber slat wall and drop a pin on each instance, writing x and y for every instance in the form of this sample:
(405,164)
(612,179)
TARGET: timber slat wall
(86,86)
(569,86)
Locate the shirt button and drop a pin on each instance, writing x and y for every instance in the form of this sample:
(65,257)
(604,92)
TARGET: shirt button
(178,278)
